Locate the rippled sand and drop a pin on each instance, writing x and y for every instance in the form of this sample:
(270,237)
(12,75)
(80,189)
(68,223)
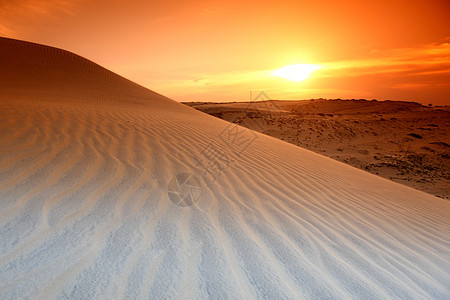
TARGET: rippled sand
(87,210)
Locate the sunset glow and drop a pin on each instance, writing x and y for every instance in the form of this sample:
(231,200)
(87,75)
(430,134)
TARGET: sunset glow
(298,72)
(220,50)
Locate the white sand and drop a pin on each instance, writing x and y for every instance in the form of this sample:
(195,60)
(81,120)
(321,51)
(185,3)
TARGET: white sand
(86,158)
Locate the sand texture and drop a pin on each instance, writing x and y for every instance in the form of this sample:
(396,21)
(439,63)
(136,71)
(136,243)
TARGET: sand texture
(111,191)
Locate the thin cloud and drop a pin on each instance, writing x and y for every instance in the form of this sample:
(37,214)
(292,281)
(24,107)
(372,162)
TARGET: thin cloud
(15,15)
(434,57)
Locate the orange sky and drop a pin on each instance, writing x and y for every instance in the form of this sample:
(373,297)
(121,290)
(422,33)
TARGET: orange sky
(221,50)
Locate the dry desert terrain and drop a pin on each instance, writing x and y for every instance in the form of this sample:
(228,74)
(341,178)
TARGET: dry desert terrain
(402,141)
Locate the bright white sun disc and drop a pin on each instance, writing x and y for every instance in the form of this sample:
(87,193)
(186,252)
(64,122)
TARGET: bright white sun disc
(296,72)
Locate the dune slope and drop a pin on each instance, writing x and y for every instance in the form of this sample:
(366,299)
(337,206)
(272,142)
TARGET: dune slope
(109,190)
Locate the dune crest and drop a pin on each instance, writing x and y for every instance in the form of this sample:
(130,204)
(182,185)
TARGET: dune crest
(87,209)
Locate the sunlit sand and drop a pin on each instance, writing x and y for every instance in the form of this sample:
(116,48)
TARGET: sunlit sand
(111,191)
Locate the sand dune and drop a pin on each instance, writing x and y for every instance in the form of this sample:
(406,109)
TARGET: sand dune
(87,208)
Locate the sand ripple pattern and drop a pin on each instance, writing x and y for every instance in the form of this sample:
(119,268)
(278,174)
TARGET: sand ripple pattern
(85,214)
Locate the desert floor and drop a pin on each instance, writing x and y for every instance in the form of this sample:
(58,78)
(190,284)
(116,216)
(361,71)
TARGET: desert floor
(402,141)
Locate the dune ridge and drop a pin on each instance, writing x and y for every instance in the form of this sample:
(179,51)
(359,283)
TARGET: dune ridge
(85,162)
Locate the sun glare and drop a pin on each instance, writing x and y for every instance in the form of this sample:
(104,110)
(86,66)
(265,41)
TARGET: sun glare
(296,72)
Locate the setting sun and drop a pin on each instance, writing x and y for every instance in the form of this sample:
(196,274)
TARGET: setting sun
(298,72)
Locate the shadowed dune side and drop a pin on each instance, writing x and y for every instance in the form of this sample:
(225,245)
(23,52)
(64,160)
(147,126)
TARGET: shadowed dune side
(58,75)
(85,210)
